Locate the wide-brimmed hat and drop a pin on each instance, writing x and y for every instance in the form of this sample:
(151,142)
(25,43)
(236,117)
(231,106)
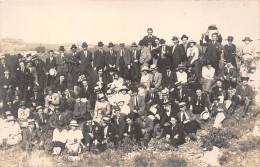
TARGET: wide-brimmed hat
(153,67)
(10,118)
(184,36)
(106,119)
(247,39)
(110,45)
(8,113)
(244,78)
(74,123)
(123,88)
(230,38)
(204,115)
(181,66)
(61,48)
(212,27)
(73,46)
(100,44)
(145,69)
(84,45)
(182,104)
(22,103)
(191,41)
(142,43)
(162,41)
(175,38)
(134,44)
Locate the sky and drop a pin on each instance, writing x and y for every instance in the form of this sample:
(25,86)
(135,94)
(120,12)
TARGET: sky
(125,21)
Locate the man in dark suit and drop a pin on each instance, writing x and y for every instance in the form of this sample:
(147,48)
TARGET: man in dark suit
(181,93)
(150,37)
(199,102)
(110,57)
(85,57)
(99,57)
(23,81)
(88,130)
(6,85)
(86,91)
(176,53)
(167,112)
(123,62)
(37,97)
(151,97)
(3,66)
(59,85)
(73,69)
(184,47)
(61,59)
(244,96)
(135,70)
(133,130)
(41,71)
(163,56)
(50,63)
(174,133)
(136,102)
(119,121)
(168,78)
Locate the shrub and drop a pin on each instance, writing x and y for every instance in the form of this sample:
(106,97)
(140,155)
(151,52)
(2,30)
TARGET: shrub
(249,144)
(218,137)
(174,161)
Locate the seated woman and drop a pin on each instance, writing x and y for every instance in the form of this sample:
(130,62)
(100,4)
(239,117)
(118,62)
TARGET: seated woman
(219,111)
(102,106)
(207,77)
(13,131)
(59,139)
(145,76)
(74,137)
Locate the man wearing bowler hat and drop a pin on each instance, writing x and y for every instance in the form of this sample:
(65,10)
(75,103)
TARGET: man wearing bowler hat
(61,59)
(50,64)
(175,51)
(73,69)
(23,81)
(99,57)
(85,57)
(230,51)
(184,47)
(162,56)
(135,56)
(123,62)
(110,57)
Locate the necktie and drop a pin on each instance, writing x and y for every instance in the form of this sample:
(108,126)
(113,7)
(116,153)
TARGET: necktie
(180,93)
(152,95)
(22,69)
(168,73)
(198,102)
(136,102)
(129,128)
(51,59)
(172,127)
(122,52)
(183,116)
(135,54)
(153,79)
(111,52)
(85,52)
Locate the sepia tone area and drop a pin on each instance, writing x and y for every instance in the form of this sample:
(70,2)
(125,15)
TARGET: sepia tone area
(129,83)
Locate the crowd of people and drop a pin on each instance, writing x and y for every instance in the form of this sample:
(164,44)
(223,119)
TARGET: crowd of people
(80,100)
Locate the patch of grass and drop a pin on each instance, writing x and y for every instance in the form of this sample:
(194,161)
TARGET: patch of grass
(249,144)
(174,162)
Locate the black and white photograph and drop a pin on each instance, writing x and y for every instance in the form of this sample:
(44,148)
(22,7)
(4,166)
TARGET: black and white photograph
(128,83)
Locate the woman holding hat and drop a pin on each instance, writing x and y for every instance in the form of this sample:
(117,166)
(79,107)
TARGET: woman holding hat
(74,137)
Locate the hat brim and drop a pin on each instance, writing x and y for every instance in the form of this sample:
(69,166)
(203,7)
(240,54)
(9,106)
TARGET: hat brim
(134,45)
(247,40)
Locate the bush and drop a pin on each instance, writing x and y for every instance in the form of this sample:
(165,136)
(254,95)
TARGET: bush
(249,144)
(127,145)
(174,162)
(219,138)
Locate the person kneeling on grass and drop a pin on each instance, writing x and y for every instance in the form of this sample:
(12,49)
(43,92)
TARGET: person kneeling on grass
(74,137)
(59,139)
(174,133)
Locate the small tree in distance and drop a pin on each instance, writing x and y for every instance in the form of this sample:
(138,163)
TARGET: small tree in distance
(40,49)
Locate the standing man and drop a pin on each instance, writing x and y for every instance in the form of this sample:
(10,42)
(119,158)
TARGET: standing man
(85,57)
(73,67)
(135,56)
(41,71)
(175,53)
(3,66)
(50,64)
(22,81)
(5,88)
(184,47)
(124,62)
(99,57)
(150,37)
(163,57)
(61,59)
(213,50)
(110,57)
(145,54)
(230,51)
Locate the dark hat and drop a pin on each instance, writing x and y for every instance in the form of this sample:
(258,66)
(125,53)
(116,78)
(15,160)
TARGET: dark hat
(230,38)
(134,44)
(29,54)
(247,39)
(191,41)
(167,66)
(212,27)
(184,36)
(84,45)
(149,29)
(110,45)
(19,56)
(134,89)
(181,66)
(48,52)
(215,98)
(61,48)
(116,108)
(121,44)
(73,46)
(175,38)
(244,78)
(100,44)
(48,88)
(162,41)
(152,86)
(166,102)
(228,60)
(214,34)
(142,43)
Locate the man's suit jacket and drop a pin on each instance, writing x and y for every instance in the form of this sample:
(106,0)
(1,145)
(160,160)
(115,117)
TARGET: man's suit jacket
(23,79)
(135,131)
(110,58)
(30,136)
(147,124)
(183,52)
(86,93)
(247,92)
(55,121)
(85,61)
(73,62)
(165,117)
(156,81)
(154,99)
(194,99)
(40,67)
(119,123)
(126,57)
(145,56)
(149,38)
(80,109)
(88,129)
(135,55)
(213,50)
(168,81)
(56,86)
(50,64)
(6,81)
(99,59)
(183,96)
(111,133)
(176,55)
(174,130)
(140,101)
(191,116)
(3,68)
(39,99)
(61,62)
(232,73)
